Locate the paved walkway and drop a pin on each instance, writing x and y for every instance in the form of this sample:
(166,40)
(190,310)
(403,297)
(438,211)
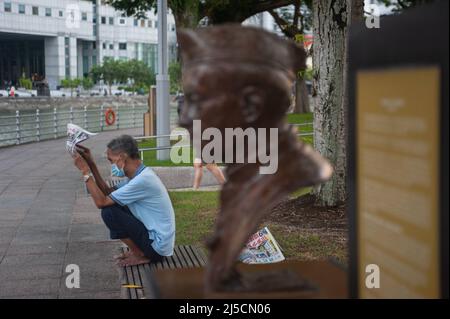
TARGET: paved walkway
(47,222)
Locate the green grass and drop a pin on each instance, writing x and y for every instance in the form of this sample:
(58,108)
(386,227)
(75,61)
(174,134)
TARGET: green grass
(150,156)
(294,118)
(301,192)
(302,119)
(195,213)
(302,245)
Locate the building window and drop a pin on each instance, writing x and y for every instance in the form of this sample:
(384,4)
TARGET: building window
(122,46)
(67,56)
(156,24)
(22,8)
(149,54)
(142,23)
(85,64)
(135,22)
(150,23)
(94,20)
(104,45)
(103,20)
(111,20)
(61,13)
(111,46)
(7,7)
(94,45)
(84,16)
(94,60)
(48,12)
(35,11)
(122,21)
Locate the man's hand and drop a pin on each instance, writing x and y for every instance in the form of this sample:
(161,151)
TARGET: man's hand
(85,153)
(81,164)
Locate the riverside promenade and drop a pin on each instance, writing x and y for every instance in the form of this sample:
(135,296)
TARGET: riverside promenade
(47,221)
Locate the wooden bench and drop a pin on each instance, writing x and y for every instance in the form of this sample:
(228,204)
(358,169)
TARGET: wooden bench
(136,280)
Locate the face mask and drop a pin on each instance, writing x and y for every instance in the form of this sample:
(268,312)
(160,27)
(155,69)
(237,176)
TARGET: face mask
(116,171)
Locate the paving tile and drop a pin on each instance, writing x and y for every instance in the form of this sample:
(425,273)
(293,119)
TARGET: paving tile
(30,288)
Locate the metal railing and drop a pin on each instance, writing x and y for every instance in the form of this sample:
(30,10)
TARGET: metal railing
(38,126)
(26,127)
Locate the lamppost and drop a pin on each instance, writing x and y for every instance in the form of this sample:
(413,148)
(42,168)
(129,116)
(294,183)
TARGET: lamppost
(162,84)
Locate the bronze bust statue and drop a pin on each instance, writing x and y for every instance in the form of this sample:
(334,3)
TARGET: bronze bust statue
(241,77)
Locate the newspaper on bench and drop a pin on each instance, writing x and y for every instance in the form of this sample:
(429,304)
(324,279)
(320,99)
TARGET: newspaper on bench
(75,135)
(262,248)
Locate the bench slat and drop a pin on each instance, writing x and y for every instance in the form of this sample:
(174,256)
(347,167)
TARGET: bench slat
(170,262)
(130,280)
(188,255)
(184,256)
(124,293)
(198,260)
(201,254)
(132,291)
(175,260)
(145,276)
(137,281)
(166,263)
(179,257)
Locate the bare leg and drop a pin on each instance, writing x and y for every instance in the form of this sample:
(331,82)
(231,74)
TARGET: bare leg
(217,172)
(198,175)
(134,250)
(136,257)
(123,255)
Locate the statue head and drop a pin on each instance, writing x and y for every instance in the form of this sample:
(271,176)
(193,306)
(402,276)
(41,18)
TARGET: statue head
(236,76)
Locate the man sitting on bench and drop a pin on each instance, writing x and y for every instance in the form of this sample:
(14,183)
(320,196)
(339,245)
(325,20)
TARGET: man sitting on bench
(138,210)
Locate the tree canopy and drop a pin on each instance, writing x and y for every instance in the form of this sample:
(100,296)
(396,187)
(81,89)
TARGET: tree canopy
(188,13)
(121,71)
(400,5)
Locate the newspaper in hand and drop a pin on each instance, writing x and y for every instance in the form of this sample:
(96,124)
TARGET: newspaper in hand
(75,135)
(262,248)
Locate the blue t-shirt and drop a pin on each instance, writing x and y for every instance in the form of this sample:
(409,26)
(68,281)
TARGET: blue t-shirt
(148,200)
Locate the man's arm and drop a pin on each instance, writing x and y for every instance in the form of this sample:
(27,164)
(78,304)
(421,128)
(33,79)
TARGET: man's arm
(86,154)
(98,179)
(100,199)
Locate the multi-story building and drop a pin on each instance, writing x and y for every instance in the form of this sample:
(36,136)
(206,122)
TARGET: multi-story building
(59,39)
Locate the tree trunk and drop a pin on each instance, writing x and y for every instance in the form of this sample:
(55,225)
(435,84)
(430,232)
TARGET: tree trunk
(330,25)
(301,97)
